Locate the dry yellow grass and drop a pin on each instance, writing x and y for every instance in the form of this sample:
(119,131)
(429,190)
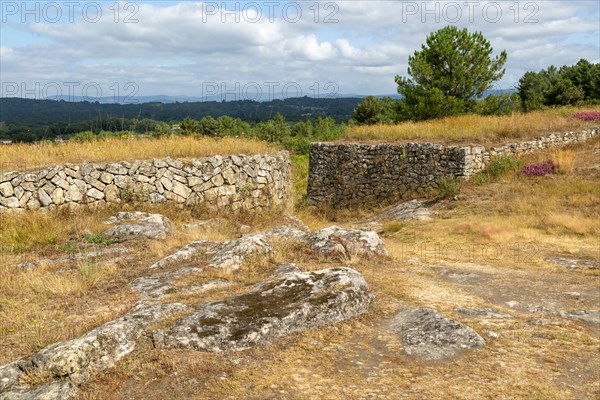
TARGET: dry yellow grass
(475,128)
(31,156)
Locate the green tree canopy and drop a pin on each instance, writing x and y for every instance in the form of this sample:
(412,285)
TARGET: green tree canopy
(568,85)
(375,111)
(452,68)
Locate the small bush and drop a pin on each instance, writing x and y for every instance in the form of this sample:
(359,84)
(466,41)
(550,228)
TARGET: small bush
(82,137)
(540,169)
(99,238)
(498,167)
(449,187)
(588,115)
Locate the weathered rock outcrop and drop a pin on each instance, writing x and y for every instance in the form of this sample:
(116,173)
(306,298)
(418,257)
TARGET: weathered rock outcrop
(574,263)
(72,362)
(292,302)
(408,210)
(228,256)
(333,242)
(337,242)
(100,255)
(487,313)
(154,287)
(137,224)
(430,336)
(589,316)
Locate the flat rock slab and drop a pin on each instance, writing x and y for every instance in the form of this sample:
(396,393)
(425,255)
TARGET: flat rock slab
(589,316)
(135,224)
(72,362)
(286,232)
(458,276)
(430,336)
(408,210)
(337,242)
(58,390)
(574,263)
(229,256)
(102,255)
(292,302)
(333,242)
(155,287)
(486,313)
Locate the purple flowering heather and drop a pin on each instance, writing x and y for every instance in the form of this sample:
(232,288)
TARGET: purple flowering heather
(588,115)
(540,169)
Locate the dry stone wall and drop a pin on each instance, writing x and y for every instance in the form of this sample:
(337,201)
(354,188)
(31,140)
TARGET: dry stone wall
(231,183)
(345,175)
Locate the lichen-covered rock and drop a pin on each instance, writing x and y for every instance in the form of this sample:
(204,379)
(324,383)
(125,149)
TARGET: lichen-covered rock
(487,313)
(233,254)
(430,336)
(101,256)
(283,269)
(207,225)
(337,242)
(230,255)
(292,302)
(575,263)
(154,287)
(286,232)
(56,390)
(187,253)
(137,224)
(78,359)
(589,316)
(408,210)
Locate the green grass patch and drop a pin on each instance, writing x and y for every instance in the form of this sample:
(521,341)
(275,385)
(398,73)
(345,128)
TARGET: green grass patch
(300,176)
(498,167)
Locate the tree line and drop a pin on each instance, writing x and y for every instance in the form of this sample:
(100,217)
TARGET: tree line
(31,120)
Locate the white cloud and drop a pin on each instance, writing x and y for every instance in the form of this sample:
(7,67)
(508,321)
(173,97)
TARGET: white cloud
(174,49)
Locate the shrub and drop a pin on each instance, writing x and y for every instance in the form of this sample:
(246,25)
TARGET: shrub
(94,238)
(497,167)
(86,136)
(540,169)
(588,115)
(448,187)
(373,111)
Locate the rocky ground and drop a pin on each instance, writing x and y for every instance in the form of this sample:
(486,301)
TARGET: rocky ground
(331,313)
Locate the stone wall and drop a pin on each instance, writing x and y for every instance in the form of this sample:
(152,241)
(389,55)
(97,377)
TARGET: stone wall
(232,183)
(366,175)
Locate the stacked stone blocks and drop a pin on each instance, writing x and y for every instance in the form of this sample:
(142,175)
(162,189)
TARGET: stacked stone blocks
(343,175)
(233,183)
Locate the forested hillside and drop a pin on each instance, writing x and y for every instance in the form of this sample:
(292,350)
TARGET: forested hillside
(49,118)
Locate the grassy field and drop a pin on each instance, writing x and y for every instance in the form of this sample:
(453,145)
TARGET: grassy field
(30,156)
(478,129)
(496,235)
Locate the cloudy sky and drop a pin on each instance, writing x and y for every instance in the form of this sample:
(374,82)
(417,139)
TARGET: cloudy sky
(239,49)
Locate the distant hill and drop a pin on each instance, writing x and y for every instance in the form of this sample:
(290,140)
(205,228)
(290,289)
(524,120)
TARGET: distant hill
(42,113)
